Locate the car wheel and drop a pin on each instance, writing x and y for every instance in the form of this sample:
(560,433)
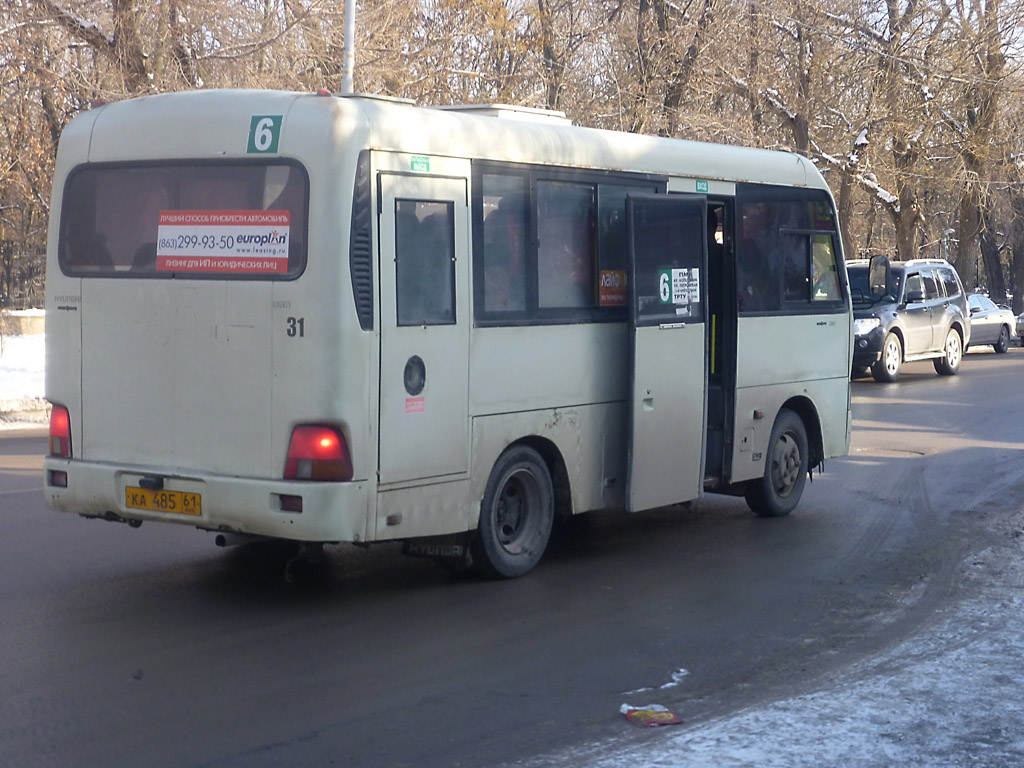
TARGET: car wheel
(516,515)
(949,363)
(785,469)
(1003,344)
(888,366)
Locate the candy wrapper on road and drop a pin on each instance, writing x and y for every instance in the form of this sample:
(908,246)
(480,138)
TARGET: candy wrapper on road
(650,715)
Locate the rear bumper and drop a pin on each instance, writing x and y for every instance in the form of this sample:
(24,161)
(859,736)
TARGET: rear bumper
(330,511)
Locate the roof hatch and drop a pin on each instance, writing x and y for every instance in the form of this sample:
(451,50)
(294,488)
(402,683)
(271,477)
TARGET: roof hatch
(510,112)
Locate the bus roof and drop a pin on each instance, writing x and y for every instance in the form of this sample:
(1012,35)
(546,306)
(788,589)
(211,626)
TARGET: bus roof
(396,125)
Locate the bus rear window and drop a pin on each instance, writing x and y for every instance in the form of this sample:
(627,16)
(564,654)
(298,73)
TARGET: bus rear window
(185,220)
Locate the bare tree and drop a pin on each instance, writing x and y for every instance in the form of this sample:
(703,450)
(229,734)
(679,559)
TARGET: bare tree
(904,104)
(982,31)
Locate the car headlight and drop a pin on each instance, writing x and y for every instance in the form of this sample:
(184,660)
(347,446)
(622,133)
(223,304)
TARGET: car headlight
(864,325)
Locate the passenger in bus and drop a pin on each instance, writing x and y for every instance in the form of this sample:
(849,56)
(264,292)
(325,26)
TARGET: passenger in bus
(716,252)
(144,259)
(141,203)
(88,250)
(504,280)
(565,264)
(715,247)
(757,286)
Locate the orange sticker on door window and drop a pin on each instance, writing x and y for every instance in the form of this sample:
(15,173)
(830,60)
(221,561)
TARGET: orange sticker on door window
(613,288)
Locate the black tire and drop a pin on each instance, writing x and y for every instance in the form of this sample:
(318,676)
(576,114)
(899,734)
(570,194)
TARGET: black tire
(785,468)
(887,367)
(516,515)
(1002,346)
(953,353)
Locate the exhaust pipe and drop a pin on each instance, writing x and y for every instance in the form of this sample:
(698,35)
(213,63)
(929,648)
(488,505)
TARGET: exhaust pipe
(231,539)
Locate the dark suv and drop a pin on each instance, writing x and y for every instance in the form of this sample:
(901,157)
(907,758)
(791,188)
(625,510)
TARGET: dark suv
(905,311)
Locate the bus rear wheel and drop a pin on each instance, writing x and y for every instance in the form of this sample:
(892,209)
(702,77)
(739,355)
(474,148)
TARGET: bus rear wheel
(785,469)
(516,515)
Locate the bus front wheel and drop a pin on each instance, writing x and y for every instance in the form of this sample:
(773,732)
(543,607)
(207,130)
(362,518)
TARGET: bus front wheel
(785,468)
(516,515)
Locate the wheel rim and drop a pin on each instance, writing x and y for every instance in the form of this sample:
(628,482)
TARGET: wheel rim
(515,511)
(1004,339)
(953,349)
(892,357)
(786,463)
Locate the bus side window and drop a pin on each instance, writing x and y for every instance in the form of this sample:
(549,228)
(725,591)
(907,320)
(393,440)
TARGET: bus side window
(824,275)
(757,259)
(555,255)
(786,251)
(504,243)
(795,275)
(565,244)
(612,249)
(425,262)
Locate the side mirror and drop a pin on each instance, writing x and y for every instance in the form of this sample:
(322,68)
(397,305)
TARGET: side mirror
(878,274)
(914,297)
(975,310)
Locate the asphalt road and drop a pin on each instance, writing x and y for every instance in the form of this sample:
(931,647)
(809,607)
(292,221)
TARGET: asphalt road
(153,647)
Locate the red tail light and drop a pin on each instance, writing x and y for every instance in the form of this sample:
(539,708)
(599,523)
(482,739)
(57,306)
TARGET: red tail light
(318,453)
(60,432)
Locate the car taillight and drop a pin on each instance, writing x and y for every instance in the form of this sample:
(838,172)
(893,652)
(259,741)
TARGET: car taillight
(60,432)
(318,453)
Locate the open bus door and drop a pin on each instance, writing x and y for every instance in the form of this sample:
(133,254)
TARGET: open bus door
(668,262)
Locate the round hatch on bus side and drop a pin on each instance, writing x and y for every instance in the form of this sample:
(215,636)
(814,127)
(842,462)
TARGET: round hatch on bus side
(415,375)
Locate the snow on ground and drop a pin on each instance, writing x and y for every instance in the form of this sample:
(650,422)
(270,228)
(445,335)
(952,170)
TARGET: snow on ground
(949,696)
(22,365)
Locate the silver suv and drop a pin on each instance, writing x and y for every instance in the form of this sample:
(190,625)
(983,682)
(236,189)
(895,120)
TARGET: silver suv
(905,311)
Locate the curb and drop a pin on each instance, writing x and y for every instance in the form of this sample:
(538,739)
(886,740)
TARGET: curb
(24,324)
(24,412)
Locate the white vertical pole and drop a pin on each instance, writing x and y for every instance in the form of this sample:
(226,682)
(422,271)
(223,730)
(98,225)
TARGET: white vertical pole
(349,51)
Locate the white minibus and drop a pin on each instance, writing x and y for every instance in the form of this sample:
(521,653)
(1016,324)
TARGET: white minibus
(352,319)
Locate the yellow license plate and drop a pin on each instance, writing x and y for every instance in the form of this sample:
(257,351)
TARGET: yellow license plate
(178,502)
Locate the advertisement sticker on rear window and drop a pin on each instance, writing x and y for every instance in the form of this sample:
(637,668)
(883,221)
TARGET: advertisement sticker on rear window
(234,242)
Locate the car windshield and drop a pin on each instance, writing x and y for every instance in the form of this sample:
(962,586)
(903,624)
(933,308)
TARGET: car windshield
(860,288)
